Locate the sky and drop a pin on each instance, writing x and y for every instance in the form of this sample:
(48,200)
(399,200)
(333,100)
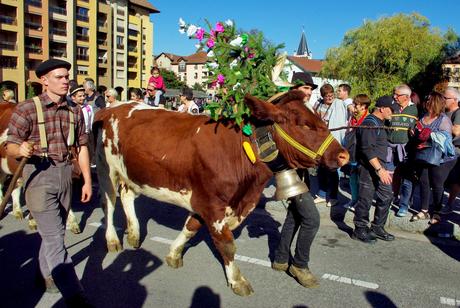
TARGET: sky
(324,22)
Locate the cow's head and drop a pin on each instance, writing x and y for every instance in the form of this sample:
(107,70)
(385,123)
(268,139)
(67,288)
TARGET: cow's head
(303,126)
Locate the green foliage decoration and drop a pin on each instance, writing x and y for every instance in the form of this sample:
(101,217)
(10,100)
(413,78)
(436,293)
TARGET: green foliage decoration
(239,63)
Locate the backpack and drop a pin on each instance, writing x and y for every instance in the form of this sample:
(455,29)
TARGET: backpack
(349,141)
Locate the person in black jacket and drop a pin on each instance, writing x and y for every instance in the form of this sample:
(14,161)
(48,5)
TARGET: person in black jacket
(374,178)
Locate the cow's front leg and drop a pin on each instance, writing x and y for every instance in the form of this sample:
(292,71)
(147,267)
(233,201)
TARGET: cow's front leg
(223,239)
(127,199)
(16,197)
(72,223)
(191,227)
(108,199)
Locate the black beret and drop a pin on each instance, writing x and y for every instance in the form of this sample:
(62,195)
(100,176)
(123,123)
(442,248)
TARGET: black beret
(51,64)
(75,89)
(303,78)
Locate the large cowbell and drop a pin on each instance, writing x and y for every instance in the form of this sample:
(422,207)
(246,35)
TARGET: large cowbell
(289,184)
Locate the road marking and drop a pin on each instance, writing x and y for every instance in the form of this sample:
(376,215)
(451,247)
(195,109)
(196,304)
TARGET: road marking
(359,283)
(449,301)
(101,225)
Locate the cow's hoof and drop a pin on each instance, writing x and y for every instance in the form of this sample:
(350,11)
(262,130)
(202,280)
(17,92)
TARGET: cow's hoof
(32,224)
(114,246)
(133,241)
(18,215)
(174,262)
(242,288)
(75,228)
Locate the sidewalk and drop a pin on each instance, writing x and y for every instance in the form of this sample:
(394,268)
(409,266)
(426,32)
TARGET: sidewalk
(343,218)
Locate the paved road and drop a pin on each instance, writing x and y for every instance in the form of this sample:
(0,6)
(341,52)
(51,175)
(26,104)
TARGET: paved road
(413,271)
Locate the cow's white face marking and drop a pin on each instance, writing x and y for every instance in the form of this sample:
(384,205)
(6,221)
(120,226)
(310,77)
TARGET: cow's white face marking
(230,219)
(197,130)
(141,107)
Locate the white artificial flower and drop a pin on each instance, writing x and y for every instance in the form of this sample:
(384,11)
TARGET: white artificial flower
(197,46)
(213,65)
(236,86)
(181,23)
(229,23)
(236,42)
(233,63)
(191,30)
(210,54)
(182,30)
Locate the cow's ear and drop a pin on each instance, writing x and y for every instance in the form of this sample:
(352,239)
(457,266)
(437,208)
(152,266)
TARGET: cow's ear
(264,111)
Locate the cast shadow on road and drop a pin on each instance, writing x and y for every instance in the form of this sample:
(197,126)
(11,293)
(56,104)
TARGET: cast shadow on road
(447,244)
(19,269)
(118,283)
(205,297)
(379,300)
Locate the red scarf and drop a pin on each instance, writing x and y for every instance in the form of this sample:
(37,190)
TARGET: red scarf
(354,122)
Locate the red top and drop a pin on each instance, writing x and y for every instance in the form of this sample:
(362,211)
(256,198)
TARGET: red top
(159,83)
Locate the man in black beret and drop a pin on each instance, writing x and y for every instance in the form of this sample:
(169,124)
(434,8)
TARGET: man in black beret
(48,171)
(374,178)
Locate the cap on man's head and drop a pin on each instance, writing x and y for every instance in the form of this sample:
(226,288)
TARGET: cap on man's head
(386,101)
(301,79)
(187,92)
(74,89)
(51,64)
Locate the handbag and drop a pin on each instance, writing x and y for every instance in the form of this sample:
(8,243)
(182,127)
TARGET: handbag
(430,154)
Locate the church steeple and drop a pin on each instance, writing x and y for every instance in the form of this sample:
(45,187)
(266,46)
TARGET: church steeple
(302,50)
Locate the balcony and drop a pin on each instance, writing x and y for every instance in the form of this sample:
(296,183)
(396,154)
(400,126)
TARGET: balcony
(58,31)
(34,49)
(120,46)
(60,53)
(36,3)
(132,64)
(8,45)
(132,48)
(102,23)
(8,20)
(133,32)
(102,42)
(9,62)
(33,25)
(57,10)
(82,37)
(81,17)
(83,57)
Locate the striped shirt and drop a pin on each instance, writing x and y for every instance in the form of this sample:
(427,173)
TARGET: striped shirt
(23,126)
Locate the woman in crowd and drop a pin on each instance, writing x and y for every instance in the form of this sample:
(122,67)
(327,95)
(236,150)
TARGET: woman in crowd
(434,126)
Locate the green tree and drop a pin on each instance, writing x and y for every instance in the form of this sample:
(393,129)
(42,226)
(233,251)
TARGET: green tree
(30,91)
(381,54)
(171,80)
(198,87)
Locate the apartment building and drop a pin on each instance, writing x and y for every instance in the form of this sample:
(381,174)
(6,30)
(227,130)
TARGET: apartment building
(109,41)
(190,69)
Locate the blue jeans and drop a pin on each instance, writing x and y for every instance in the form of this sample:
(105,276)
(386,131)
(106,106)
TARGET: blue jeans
(328,181)
(405,193)
(354,183)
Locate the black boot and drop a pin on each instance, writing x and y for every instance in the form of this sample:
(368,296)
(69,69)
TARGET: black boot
(363,235)
(380,233)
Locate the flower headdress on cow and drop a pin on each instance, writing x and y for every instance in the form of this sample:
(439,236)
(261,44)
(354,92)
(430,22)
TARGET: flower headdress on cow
(239,63)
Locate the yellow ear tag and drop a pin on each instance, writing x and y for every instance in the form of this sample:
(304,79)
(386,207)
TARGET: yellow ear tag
(249,152)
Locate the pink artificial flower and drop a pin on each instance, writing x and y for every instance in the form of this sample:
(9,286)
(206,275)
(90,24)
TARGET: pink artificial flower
(210,43)
(219,27)
(220,79)
(199,34)
(251,55)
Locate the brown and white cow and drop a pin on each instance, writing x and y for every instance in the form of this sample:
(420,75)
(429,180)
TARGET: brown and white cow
(8,166)
(200,165)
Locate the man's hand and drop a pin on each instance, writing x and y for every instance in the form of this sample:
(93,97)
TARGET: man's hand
(86,192)
(385,176)
(26,149)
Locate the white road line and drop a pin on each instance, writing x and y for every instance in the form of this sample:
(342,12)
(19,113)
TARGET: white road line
(449,301)
(359,283)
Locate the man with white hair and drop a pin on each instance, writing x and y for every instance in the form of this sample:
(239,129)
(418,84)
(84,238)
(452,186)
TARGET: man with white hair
(452,97)
(111,97)
(403,120)
(93,98)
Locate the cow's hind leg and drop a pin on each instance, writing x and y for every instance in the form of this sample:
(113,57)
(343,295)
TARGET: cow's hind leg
(223,239)
(72,223)
(16,197)
(107,184)
(128,197)
(191,227)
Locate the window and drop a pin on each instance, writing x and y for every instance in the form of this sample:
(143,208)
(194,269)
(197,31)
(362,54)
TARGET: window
(82,53)
(120,25)
(120,74)
(120,59)
(120,44)
(82,14)
(82,70)
(182,66)
(82,34)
